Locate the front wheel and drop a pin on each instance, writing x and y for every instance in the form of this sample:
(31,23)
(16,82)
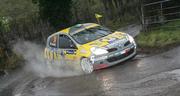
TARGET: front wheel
(86,65)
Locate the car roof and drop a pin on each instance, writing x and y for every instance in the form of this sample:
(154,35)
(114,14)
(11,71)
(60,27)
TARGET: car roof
(76,28)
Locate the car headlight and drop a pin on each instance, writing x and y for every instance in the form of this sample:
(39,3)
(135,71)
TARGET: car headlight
(98,51)
(131,39)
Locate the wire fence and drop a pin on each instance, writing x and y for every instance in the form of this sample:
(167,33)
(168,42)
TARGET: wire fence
(159,12)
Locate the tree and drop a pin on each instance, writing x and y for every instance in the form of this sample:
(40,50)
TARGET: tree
(57,12)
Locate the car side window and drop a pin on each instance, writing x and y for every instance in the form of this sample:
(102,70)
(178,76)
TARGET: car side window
(65,42)
(53,41)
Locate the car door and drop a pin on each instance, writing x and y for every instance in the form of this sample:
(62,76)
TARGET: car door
(67,48)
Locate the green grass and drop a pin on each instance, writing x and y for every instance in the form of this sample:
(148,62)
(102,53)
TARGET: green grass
(163,36)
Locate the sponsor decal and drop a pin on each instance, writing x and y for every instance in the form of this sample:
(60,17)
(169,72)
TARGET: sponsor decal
(83,51)
(112,40)
(70,51)
(95,43)
(117,42)
(94,59)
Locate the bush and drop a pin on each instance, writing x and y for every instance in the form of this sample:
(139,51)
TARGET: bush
(8,60)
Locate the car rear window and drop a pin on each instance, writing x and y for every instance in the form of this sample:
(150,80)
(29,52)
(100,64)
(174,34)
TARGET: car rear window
(53,41)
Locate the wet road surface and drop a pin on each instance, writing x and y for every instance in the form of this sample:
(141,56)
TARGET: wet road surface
(157,75)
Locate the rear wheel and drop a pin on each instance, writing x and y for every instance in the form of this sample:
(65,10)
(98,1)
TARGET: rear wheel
(86,65)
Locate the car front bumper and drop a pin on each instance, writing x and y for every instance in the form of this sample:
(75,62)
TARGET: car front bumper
(114,58)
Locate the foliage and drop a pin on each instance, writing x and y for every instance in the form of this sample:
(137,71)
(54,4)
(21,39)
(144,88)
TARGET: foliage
(9,61)
(4,24)
(115,13)
(17,9)
(165,35)
(57,12)
(19,20)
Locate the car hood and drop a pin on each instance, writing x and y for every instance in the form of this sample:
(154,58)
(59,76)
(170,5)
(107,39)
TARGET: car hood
(107,40)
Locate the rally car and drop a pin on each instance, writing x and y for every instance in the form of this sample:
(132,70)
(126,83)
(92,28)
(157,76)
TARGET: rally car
(95,46)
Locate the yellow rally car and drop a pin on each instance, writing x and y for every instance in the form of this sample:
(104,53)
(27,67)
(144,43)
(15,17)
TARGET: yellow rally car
(94,46)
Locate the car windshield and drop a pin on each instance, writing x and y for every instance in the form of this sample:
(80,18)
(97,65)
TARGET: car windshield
(91,34)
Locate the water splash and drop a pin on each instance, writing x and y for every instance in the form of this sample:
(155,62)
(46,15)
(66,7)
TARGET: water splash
(35,62)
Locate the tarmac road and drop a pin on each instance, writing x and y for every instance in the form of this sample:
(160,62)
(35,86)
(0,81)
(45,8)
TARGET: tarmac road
(157,75)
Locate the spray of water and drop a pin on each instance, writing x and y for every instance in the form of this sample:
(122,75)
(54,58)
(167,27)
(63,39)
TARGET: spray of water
(35,62)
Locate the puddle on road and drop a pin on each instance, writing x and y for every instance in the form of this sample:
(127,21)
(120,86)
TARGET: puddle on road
(139,56)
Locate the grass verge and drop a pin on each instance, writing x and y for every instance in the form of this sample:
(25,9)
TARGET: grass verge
(163,37)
